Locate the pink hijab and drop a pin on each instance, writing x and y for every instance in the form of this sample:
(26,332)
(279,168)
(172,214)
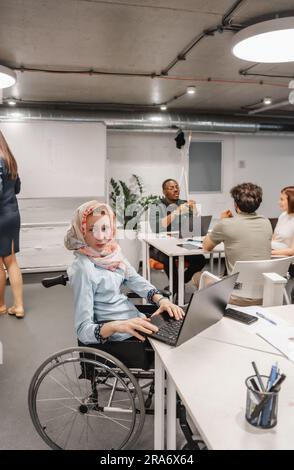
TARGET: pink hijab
(110,256)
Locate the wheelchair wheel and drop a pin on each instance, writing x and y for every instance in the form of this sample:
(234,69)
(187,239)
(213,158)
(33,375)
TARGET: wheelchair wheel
(72,405)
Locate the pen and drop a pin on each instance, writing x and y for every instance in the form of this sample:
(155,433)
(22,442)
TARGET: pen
(268,407)
(273,376)
(254,385)
(258,376)
(276,386)
(261,315)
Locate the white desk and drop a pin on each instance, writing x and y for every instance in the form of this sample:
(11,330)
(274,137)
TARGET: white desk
(209,373)
(169,247)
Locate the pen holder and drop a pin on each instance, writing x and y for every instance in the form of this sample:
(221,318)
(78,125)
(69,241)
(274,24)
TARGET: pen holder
(261,407)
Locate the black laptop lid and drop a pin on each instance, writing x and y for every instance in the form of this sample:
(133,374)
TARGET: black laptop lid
(195,226)
(207,306)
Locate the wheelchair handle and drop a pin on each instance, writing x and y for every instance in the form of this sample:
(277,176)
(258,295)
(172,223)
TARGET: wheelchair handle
(54,281)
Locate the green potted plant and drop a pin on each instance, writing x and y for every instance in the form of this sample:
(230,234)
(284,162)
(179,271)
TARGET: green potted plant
(129,205)
(128,201)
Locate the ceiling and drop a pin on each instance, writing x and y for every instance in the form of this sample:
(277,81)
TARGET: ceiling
(134,44)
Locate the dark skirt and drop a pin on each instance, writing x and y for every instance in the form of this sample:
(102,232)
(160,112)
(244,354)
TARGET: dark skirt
(9,233)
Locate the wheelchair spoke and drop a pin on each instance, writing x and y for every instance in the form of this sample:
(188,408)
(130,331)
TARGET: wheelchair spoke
(100,415)
(65,388)
(72,425)
(61,416)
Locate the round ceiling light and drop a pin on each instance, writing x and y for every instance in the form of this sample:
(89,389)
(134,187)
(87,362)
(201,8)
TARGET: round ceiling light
(267,42)
(191,90)
(7,77)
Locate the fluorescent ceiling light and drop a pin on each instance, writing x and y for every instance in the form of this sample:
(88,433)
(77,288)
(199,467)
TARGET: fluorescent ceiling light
(11,102)
(163,107)
(7,77)
(267,42)
(191,90)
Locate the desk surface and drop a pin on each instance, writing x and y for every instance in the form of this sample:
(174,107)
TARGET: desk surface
(169,246)
(209,373)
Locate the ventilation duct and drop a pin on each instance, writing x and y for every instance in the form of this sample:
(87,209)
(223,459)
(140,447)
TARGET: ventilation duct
(148,121)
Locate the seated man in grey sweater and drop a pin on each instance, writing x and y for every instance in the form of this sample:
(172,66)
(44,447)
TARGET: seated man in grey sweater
(247,236)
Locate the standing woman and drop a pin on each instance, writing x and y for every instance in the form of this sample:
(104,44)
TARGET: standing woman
(283,238)
(9,230)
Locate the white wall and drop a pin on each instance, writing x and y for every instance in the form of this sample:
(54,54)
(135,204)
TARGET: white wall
(268,161)
(58,158)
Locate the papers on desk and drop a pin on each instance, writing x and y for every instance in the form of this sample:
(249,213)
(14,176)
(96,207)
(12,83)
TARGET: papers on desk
(277,332)
(272,329)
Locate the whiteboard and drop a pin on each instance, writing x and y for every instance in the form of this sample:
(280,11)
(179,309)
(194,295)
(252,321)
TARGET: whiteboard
(59,158)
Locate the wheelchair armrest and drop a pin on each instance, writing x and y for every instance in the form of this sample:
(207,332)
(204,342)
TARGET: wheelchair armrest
(54,281)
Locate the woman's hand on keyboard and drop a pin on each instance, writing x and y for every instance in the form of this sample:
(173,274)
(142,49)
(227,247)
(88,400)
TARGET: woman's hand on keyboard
(134,326)
(172,309)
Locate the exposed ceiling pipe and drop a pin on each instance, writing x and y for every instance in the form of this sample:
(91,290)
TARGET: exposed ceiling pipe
(147,121)
(280,104)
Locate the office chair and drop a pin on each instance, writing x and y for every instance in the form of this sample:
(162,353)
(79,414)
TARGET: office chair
(259,282)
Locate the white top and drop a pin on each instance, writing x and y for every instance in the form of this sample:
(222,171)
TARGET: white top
(284,232)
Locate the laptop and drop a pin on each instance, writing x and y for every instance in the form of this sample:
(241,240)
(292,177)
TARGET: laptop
(197,228)
(206,307)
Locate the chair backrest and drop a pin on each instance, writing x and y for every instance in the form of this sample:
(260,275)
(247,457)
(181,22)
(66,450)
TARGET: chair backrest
(250,281)
(273,221)
(206,279)
(205,223)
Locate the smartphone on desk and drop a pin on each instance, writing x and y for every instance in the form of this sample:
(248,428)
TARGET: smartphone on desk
(240,316)
(189,246)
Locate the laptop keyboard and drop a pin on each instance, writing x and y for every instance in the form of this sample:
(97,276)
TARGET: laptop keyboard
(169,330)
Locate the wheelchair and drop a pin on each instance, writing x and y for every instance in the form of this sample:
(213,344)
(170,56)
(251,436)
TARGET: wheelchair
(77,392)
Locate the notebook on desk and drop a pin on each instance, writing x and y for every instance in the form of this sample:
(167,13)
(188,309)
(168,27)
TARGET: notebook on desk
(206,307)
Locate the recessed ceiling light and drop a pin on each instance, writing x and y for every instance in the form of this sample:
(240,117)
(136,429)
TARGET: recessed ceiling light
(267,100)
(11,102)
(163,107)
(267,42)
(7,77)
(191,90)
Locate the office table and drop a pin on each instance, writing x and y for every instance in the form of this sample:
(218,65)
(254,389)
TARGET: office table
(208,372)
(168,246)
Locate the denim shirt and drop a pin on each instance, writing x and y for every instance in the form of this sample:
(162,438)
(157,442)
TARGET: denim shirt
(98,297)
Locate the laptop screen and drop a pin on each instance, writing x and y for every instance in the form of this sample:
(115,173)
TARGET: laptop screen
(196,226)
(206,307)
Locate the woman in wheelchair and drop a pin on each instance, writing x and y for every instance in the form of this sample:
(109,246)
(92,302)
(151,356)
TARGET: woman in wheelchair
(87,397)
(104,317)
